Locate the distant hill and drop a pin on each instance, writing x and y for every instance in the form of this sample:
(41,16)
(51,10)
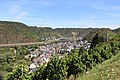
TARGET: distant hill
(74,32)
(101,31)
(117,30)
(11,32)
(16,32)
(44,32)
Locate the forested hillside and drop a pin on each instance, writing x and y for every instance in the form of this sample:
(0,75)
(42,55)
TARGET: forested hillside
(15,32)
(45,32)
(74,32)
(105,32)
(117,30)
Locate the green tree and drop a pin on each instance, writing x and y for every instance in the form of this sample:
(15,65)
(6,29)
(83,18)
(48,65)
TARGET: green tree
(56,69)
(19,72)
(81,51)
(96,40)
(39,74)
(1,77)
(74,64)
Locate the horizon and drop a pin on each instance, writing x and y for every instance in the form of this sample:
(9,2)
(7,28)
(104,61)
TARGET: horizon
(62,27)
(63,14)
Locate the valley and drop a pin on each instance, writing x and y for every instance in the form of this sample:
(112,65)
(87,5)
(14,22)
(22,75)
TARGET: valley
(36,48)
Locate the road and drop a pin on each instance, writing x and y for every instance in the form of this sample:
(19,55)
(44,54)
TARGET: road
(22,44)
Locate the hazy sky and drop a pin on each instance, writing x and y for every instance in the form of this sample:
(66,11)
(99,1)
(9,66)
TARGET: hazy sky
(62,13)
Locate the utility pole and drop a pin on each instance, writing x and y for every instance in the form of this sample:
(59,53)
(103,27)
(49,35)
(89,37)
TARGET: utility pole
(6,35)
(107,35)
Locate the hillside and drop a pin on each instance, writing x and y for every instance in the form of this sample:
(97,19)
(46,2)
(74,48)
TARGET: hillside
(117,30)
(101,31)
(15,32)
(44,32)
(74,32)
(108,70)
(80,61)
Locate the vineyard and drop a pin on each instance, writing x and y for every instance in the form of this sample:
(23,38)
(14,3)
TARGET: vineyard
(77,62)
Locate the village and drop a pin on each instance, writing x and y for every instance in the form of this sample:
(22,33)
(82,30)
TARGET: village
(43,54)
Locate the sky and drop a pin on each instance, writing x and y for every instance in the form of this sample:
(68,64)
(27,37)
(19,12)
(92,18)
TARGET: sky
(62,13)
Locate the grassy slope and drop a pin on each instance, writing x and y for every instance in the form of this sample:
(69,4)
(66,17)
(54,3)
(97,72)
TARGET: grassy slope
(108,70)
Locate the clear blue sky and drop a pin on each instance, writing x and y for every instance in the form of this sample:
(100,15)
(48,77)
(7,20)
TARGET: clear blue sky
(62,13)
